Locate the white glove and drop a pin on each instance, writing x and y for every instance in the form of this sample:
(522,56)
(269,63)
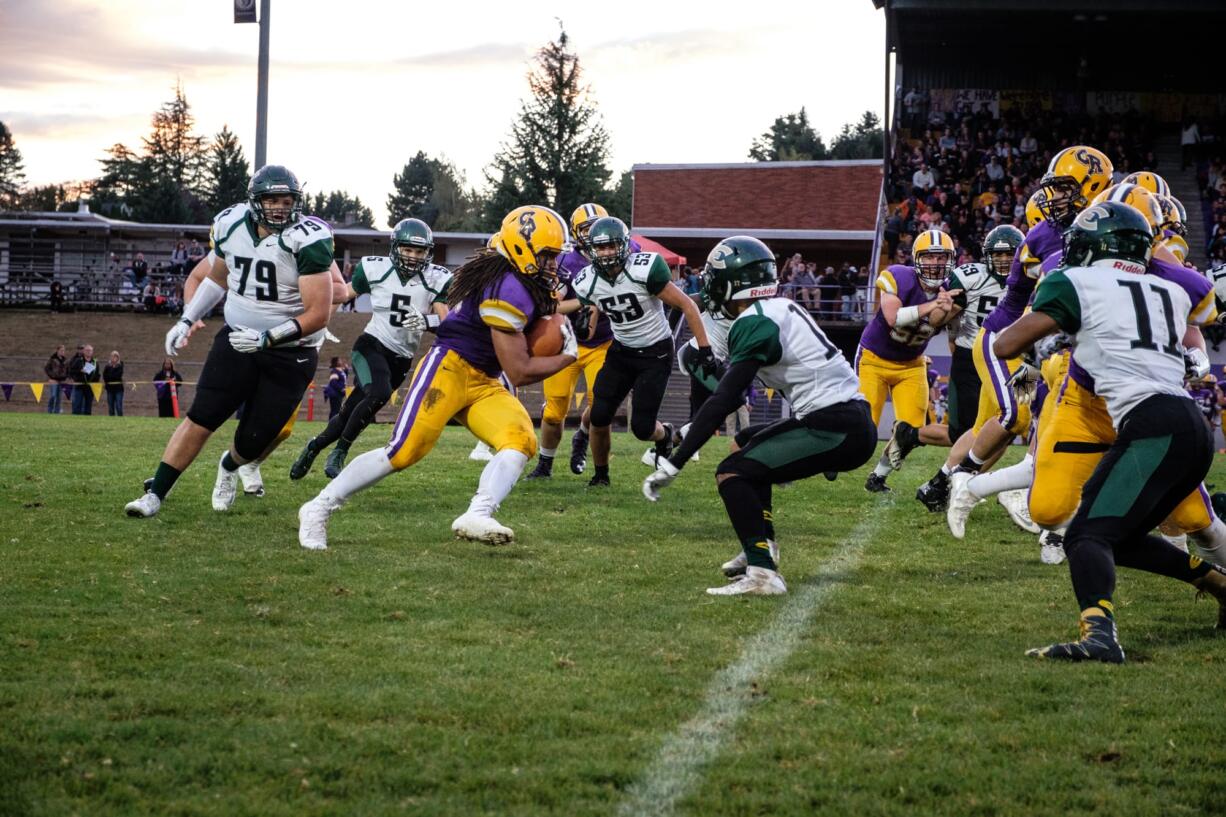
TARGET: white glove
(661,479)
(248,340)
(329,337)
(1217,275)
(413,321)
(176,338)
(1025,383)
(1195,362)
(570,344)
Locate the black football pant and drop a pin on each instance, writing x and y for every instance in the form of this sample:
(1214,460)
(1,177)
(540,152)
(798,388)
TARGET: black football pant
(378,371)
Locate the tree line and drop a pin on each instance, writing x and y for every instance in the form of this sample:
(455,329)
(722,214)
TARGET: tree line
(556,151)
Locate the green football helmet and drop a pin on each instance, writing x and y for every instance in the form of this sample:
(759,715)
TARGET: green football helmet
(1110,230)
(739,268)
(412,233)
(274,180)
(609,232)
(1002,239)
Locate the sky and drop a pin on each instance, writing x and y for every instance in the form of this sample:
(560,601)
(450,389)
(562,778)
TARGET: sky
(357,87)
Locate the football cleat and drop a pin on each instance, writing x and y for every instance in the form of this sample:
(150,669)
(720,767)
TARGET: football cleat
(961,502)
(902,442)
(541,471)
(934,494)
(313,524)
(737,564)
(598,482)
(875,484)
(481,453)
(1051,547)
(148,505)
(1098,642)
(478,528)
(225,488)
(757,581)
(335,463)
(1213,584)
(664,446)
(578,452)
(253,481)
(1017,503)
(302,465)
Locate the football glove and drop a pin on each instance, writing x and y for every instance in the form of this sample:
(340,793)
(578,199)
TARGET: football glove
(1025,383)
(413,321)
(176,338)
(663,476)
(581,320)
(1195,363)
(570,344)
(707,364)
(248,340)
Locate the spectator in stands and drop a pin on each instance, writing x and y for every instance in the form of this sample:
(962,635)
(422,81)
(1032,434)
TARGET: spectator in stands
(847,291)
(995,170)
(338,376)
(56,370)
(178,260)
(828,285)
(1189,142)
(194,253)
(112,378)
(804,287)
(56,296)
(162,380)
(861,279)
(84,370)
(139,271)
(1029,145)
(892,231)
(922,181)
(948,141)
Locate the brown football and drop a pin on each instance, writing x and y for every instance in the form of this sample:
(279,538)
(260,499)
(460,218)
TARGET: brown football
(545,336)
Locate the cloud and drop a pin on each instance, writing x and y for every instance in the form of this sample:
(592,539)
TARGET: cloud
(25,125)
(477,55)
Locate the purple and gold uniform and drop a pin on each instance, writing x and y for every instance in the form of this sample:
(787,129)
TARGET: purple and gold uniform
(1075,429)
(890,359)
(459,378)
(1038,254)
(558,388)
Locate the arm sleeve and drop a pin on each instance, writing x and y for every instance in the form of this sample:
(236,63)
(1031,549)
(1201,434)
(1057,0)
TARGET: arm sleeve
(358,282)
(754,339)
(1057,299)
(659,276)
(315,257)
(728,397)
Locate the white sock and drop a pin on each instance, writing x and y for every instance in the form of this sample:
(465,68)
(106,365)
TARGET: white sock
(1004,479)
(947,469)
(685,429)
(1210,542)
(361,473)
(548,452)
(883,469)
(586,428)
(497,479)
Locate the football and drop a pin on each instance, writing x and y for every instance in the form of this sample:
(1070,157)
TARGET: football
(545,336)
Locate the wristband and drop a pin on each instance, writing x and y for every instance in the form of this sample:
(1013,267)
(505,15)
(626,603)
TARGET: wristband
(207,296)
(432,321)
(284,332)
(907,316)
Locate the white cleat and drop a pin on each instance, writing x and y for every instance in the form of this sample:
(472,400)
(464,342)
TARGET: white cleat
(148,505)
(1051,547)
(225,488)
(1017,503)
(649,458)
(757,581)
(961,503)
(737,564)
(480,528)
(481,453)
(313,524)
(253,481)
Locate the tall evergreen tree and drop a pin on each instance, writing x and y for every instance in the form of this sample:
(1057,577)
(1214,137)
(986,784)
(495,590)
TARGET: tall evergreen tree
(12,169)
(790,139)
(228,173)
(124,178)
(863,140)
(558,148)
(339,209)
(412,191)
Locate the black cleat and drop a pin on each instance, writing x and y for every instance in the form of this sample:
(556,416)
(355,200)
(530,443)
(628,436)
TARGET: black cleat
(1097,643)
(664,446)
(934,494)
(302,465)
(578,452)
(876,485)
(902,442)
(830,476)
(542,470)
(598,481)
(148,484)
(335,462)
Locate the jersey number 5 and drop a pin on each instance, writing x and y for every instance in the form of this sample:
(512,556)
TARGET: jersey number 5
(399,309)
(632,312)
(265,278)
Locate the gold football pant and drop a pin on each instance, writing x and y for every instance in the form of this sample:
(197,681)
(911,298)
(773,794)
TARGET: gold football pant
(559,387)
(904,381)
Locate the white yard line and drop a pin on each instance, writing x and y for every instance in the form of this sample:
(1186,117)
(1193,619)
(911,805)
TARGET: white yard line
(683,758)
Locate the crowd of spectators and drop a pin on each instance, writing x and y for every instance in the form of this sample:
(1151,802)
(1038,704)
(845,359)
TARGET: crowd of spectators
(74,379)
(969,172)
(829,294)
(132,282)
(1203,148)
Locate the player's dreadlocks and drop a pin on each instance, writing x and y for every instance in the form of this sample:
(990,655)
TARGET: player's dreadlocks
(486,269)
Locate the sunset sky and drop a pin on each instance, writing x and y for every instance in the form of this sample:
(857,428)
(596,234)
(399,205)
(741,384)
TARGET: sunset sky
(357,87)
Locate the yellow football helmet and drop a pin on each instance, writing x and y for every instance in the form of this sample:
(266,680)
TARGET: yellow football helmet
(581,221)
(529,236)
(1074,177)
(934,255)
(1034,214)
(1150,181)
(1177,246)
(1174,216)
(1136,196)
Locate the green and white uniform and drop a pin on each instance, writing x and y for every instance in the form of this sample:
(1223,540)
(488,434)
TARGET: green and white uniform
(794,354)
(982,290)
(391,296)
(263,273)
(631,301)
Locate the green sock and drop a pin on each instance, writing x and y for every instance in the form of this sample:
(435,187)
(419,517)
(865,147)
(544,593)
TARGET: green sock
(164,479)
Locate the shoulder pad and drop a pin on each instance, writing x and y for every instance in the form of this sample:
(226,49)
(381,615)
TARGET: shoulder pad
(306,231)
(227,217)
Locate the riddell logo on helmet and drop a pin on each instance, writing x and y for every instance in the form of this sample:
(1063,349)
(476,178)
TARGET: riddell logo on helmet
(1129,266)
(762,292)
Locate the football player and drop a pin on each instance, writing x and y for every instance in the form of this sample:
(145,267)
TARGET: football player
(913,305)
(408,295)
(595,337)
(274,267)
(982,285)
(1125,326)
(831,428)
(494,297)
(632,289)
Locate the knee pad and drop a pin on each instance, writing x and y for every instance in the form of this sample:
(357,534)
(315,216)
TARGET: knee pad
(555,410)
(642,429)
(602,413)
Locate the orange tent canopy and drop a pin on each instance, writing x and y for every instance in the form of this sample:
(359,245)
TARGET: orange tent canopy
(670,257)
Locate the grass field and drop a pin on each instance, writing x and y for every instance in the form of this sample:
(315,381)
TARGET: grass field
(200,663)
